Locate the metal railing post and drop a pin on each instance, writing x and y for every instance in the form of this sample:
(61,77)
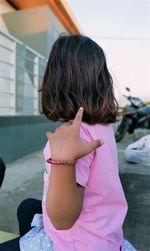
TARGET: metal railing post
(36,85)
(21,78)
(14,78)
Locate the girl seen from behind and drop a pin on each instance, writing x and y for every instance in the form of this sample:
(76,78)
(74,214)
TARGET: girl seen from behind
(83,206)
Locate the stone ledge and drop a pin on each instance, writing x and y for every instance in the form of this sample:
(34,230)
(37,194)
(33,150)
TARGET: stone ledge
(6,236)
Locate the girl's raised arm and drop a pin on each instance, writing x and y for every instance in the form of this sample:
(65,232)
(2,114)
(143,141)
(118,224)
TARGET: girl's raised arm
(64,198)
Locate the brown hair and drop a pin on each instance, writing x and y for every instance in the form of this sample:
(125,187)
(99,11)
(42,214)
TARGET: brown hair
(77,75)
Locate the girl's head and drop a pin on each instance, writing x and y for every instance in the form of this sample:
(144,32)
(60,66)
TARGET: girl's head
(77,75)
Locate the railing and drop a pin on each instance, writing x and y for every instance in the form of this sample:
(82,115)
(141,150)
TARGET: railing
(21,73)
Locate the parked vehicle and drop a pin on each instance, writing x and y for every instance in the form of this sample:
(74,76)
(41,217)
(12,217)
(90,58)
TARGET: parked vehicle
(136,114)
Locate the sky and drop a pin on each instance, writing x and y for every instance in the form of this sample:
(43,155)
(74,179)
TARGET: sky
(122,29)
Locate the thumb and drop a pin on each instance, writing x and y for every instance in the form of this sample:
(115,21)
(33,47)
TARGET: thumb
(95,144)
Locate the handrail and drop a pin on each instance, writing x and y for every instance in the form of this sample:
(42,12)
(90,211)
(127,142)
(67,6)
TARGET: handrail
(15,68)
(14,39)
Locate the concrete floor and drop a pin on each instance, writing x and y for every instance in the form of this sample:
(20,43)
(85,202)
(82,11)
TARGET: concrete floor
(24,179)
(135,179)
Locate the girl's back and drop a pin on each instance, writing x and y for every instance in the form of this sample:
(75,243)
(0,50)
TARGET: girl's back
(99,226)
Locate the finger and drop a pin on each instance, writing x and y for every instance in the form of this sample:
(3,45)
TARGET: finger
(69,123)
(58,128)
(78,118)
(49,135)
(95,144)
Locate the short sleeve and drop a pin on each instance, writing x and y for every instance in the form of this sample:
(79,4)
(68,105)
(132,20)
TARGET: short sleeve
(83,165)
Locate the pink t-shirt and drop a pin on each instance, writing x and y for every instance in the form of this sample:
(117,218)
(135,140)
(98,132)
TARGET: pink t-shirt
(99,226)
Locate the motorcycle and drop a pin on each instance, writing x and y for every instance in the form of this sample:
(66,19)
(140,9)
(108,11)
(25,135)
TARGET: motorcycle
(135,115)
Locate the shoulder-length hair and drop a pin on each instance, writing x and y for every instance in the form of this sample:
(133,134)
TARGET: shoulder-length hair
(77,76)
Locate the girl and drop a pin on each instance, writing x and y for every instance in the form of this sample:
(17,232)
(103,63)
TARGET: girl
(83,205)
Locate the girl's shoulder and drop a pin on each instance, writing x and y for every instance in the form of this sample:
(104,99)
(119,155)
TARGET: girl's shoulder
(91,132)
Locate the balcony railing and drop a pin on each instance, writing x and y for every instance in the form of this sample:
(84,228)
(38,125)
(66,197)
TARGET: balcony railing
(21,73)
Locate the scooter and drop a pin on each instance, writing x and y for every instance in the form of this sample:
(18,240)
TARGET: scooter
(135,115)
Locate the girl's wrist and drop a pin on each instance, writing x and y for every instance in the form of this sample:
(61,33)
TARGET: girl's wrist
(61,162)
(62,157)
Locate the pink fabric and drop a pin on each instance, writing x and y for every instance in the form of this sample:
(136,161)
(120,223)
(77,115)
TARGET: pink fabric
(99,227)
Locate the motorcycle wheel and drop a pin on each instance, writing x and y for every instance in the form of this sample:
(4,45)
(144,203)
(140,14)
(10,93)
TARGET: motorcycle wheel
(122,129)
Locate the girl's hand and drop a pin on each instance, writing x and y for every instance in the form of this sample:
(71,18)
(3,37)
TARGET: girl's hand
(66,144)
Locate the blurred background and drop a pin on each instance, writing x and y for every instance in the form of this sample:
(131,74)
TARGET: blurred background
(28,28)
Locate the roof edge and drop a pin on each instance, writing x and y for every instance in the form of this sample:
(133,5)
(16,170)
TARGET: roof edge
(59,7)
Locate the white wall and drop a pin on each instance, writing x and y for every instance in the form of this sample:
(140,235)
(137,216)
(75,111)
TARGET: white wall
(5,70)
(5,7)
(23,102)
(37,27)
(19,79)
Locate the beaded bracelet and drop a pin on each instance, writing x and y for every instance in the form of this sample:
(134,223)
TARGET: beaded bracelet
(61,162)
